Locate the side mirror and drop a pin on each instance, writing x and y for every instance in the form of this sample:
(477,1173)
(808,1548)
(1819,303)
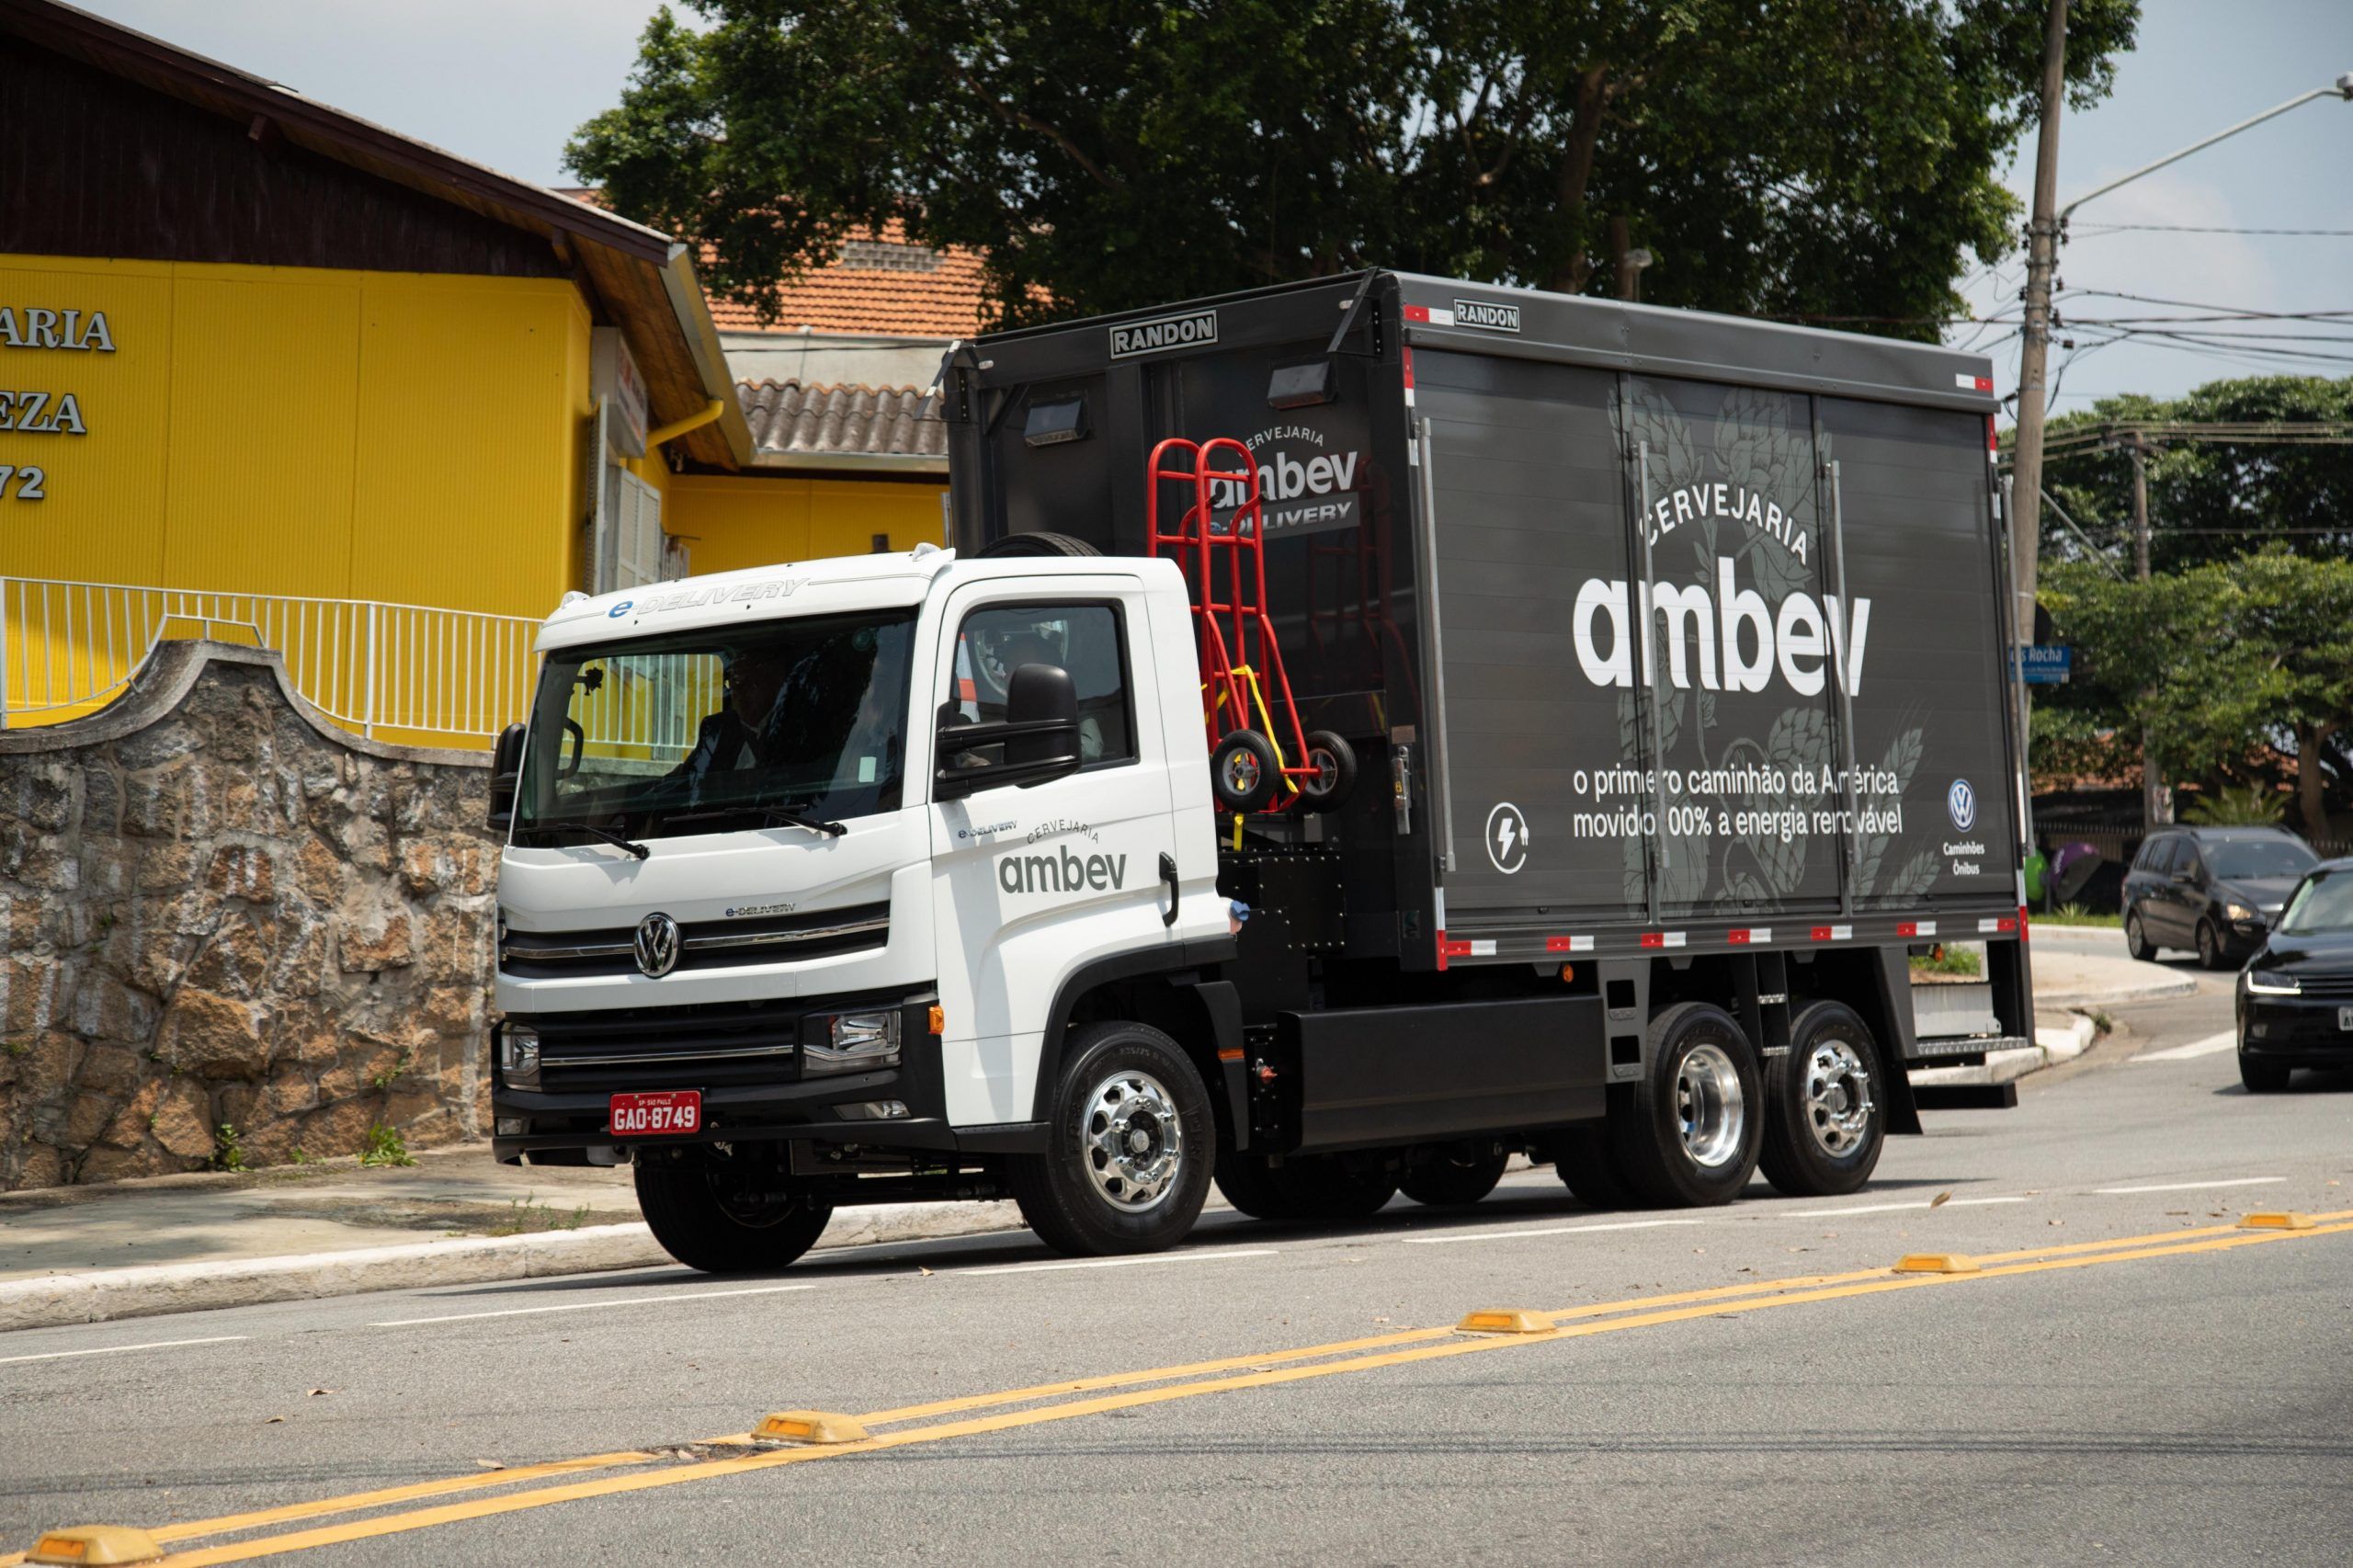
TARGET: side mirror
(1038,739)
(505,777)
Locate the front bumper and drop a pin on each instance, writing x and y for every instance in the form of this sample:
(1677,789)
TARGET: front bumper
(761,1099)
(2305,1030)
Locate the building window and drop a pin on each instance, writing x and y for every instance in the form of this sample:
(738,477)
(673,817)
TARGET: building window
(885,255)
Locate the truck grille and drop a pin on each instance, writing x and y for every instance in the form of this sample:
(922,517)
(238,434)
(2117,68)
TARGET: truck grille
(728,1042)
(703,944)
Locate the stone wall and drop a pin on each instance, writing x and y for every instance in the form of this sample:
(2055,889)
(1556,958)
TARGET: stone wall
(220,909)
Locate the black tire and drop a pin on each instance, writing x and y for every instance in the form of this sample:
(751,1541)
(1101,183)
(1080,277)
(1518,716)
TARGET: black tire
(2210,946)
(1018,546)
(1819,1141)
(1661,1164)
(1080,1198)
(1582,1158)
(1335,762)
(1249,1186)
(1455,1176)
(2262,1077)
(706,1215)
(2136,940)
(1244,775)
(1316,1186)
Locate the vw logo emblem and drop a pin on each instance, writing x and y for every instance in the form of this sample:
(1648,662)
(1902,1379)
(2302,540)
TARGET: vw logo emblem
(1961,804)
(658,945)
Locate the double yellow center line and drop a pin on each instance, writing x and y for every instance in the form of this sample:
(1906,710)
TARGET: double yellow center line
(1079,1397)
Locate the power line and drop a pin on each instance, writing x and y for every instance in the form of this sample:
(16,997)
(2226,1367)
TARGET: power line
(2090,230)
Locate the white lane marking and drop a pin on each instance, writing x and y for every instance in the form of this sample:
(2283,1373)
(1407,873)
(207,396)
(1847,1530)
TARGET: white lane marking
(1545,1231)
(113,1349)
(2213,1044)
(2194,1185)
(1890,1208)
(1204,1257)
(591,1306)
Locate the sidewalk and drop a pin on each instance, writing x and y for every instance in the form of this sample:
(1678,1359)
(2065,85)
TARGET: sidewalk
(188,1243)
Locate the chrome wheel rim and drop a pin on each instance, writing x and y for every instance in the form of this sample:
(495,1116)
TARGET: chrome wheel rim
(1132,1141)
(1838,1097)
(1710,1107)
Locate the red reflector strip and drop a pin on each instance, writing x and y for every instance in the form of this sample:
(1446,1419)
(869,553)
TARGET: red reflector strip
(1737,939)
(1654,938)
(2022,923)
(1993,441)
(1568,944)
(1417,313)
(1834,933)
(2007,923)
(1459,949)
(1408,356)
(1907,927)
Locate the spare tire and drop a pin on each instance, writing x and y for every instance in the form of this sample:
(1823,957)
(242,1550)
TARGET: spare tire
(1015,545)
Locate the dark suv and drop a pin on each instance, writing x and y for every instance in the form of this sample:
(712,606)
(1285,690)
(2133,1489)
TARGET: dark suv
(2214,890)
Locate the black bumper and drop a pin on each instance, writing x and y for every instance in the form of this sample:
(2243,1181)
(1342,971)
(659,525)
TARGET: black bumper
(2299,1031)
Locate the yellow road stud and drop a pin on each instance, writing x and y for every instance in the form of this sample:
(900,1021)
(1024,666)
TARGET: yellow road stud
(819,1426)
(1937,1263)
(96,1543)
(1504,1320)
(2290,1221)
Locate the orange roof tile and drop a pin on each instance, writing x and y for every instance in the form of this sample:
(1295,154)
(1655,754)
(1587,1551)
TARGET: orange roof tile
(880,285)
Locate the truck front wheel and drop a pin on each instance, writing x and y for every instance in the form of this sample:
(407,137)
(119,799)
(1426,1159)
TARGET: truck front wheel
(711,1215)
(1693,1131)
(1826,1119)
(1129,1143)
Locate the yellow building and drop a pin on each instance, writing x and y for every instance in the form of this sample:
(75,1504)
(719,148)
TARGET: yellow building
(273,373)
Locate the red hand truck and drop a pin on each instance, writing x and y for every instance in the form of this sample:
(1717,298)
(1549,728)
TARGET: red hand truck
(1260,757)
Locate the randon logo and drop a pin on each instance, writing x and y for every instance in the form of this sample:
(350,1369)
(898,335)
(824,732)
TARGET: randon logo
(656,945)
(1487,314)
(1961,804)
(1195,328)
(1507,838)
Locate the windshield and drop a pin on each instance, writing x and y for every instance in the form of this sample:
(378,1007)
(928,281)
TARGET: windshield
(2322,902)
(2260,857)
(722,726)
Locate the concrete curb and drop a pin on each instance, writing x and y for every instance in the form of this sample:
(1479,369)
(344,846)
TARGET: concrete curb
(2051,1047)
(105,1295)
(2149,993)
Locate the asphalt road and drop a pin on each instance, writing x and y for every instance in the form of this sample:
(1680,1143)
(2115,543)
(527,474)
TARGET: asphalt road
(2185,1398)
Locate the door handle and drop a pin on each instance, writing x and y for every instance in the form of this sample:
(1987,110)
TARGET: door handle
(1168,875)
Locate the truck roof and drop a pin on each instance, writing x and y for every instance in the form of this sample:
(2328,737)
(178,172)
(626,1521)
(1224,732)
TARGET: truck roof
(835,583)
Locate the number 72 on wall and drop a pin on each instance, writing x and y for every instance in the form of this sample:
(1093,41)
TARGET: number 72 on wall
(30,483)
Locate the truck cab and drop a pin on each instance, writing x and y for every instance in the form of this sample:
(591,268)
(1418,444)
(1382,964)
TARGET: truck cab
(802,861)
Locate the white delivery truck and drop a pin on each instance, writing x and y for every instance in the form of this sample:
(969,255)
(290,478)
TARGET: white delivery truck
(1366,729)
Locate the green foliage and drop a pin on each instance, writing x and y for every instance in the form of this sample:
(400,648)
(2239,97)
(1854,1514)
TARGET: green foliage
(2076,914)
(1806,158)
(2254,806)
(228,1149)
(16,1048)
(1949,960)
(2261,492)
(527,1217)
(385,1146)
(301,1156)
(385,1080)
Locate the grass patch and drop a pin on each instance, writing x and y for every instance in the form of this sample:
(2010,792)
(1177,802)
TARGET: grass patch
(385,1147)
(2074,914)
(1949,961)
(527,1217)
(228,1149)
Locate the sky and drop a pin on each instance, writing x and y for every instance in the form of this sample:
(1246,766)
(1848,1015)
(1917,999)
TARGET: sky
(506,82)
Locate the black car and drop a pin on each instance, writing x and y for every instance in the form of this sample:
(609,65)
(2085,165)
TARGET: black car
(2214,890)
(2296,995)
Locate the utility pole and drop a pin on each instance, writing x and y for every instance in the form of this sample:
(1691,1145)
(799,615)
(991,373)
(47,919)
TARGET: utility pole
(2156,800)
(2041,260)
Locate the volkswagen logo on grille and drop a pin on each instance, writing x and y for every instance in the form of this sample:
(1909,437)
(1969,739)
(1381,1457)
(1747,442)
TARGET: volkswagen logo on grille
(658,945)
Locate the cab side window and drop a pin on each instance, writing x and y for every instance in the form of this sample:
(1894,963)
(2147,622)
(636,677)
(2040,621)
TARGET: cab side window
(1087,641)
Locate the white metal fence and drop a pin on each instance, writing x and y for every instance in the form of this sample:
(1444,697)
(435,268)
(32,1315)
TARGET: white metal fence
(452,677)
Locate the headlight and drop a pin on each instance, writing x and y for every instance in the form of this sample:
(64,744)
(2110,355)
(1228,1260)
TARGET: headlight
(2239,911)
(2262,984)
(518,1056)
(855,1041)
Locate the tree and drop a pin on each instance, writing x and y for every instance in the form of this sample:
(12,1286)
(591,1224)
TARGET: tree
(2230,663)
(1801,158)
(2210,499)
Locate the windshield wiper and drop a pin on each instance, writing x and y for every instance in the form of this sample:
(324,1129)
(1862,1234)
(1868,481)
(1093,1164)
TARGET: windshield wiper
(617,840)
(771,816)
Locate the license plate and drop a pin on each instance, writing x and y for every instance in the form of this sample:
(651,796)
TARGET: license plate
(647,1115)
(2345,1019)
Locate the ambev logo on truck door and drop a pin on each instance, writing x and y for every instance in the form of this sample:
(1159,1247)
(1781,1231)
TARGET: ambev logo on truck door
(1303,487)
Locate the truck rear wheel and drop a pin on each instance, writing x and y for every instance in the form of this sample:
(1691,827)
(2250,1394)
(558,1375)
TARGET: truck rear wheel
(1316,1186)
(1582,1159)
(1455,1176)
(1130,1142)
(1825,1124)
(711,1215)
(1692,1136)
